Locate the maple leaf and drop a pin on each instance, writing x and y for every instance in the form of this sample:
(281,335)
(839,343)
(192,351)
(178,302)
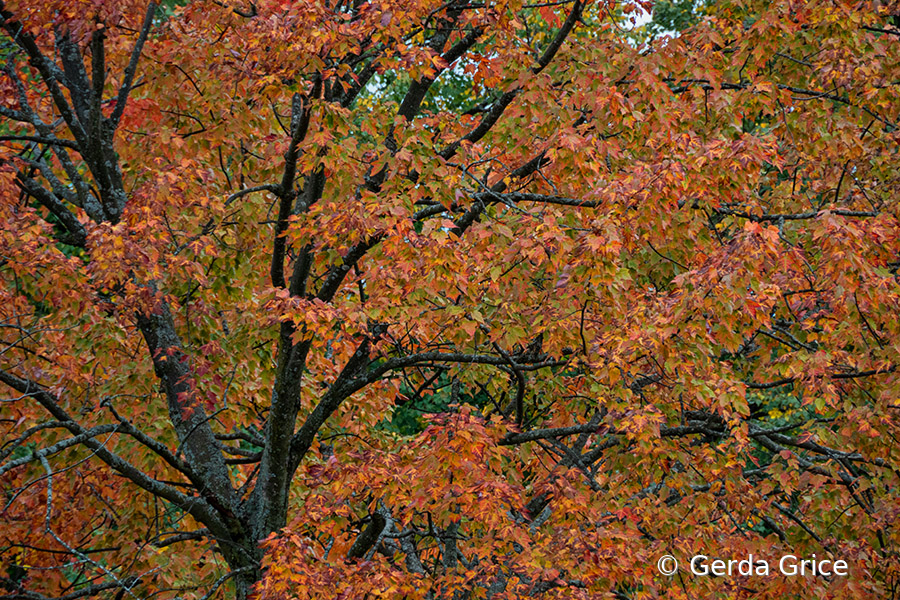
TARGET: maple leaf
(388,299)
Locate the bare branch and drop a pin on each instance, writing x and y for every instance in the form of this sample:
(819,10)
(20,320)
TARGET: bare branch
(50,141)
(197,507)
(79,439)
(130,70)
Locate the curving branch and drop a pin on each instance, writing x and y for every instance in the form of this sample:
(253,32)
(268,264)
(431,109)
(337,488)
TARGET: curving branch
(131,69)
(499,106)
(196,507)
(79,439)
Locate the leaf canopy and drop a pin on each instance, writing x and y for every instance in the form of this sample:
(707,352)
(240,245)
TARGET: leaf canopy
(426,299)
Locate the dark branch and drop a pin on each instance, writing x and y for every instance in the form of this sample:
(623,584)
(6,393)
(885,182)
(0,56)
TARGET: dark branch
(130,70)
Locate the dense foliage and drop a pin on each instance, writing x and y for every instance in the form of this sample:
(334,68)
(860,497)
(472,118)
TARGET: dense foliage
(447,300)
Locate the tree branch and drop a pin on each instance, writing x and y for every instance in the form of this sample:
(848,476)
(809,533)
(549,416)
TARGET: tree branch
(196,507)
(130,70)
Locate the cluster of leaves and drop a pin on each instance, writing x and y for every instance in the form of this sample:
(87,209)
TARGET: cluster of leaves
(426,299)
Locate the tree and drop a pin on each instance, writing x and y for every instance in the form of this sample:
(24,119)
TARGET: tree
(426,299)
